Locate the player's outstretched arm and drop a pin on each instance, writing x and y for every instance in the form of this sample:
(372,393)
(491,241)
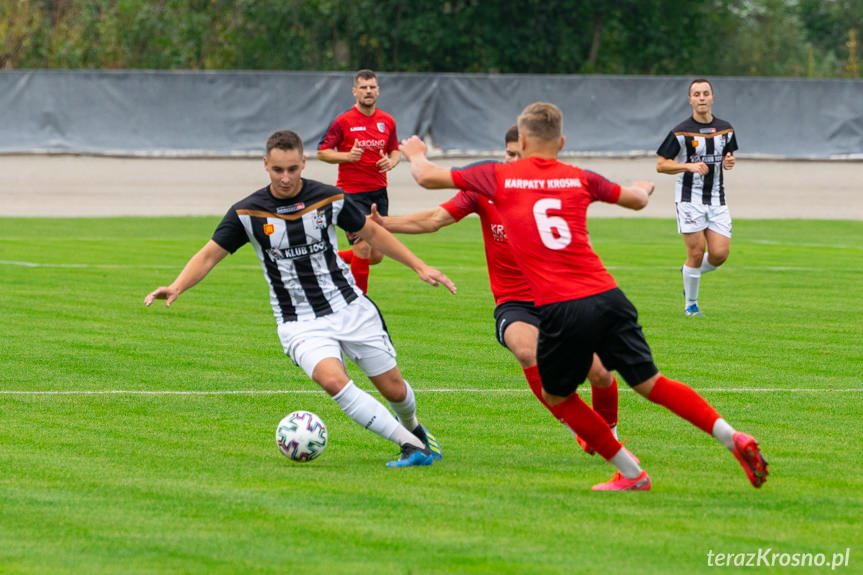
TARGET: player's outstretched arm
(387,244)
(196,269)
(424,222)
(426,174)
(636,195)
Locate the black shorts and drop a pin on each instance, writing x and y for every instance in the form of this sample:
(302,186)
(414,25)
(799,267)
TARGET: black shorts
(364,201)
(512,311)
(572,331)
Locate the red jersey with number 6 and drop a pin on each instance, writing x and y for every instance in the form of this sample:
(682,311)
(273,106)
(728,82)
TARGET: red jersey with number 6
(544,204)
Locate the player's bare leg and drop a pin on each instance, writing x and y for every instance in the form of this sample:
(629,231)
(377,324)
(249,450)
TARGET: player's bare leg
(696,243)
(718,248)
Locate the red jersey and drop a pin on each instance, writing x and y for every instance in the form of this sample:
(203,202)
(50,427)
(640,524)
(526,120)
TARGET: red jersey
(544,204)
(374,133)
(507,281)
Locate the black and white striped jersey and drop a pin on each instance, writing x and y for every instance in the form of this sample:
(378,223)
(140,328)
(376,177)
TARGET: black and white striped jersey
(692,142)
(296,242)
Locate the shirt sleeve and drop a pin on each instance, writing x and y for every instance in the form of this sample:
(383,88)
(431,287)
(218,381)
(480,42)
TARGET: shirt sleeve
(460,205)
(393,140)
(230,234)
(333,137)
(350,218)
(731,146)
(670,147)
(601,189)
(480,178)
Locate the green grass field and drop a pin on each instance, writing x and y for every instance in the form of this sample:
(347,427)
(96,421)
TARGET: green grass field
(136,440)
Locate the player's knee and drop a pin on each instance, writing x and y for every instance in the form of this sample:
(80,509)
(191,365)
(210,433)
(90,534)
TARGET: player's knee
(551,399)
(525,354)
(695,253)
(601,378)
(717,259)
(362,250)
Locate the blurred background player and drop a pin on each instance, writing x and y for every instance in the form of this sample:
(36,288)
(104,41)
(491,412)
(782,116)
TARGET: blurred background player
(364,143)
(543,203)
(320,312)
(698,149)
(516,317)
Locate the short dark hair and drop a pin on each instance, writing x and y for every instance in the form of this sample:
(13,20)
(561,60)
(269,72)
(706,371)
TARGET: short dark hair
(364,74)
(285,140)
(511,135)
(699,81)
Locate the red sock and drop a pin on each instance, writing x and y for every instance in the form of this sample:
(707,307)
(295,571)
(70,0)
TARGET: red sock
(585,422)
(685,402)
(346,255)
(604,402)
(360,271)
(532,375)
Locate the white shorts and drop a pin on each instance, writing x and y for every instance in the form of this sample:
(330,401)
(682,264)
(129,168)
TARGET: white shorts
(357,331)
(693,218)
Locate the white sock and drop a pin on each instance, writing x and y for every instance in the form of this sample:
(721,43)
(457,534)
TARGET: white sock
(371,414)
(406,410)
(625,464)
(614,431)
(724,433)
(691,281)
(706,266)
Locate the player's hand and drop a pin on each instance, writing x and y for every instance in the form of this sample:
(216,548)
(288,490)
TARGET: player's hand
(166,293)
(376,216)
(413,146)
(435,277)
(645,185)
(728,161)
(384,164)
(699,168)
(356,152)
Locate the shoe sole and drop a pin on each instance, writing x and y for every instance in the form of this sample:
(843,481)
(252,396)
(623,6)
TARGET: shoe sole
(643,485)
(415,460)
(753,463)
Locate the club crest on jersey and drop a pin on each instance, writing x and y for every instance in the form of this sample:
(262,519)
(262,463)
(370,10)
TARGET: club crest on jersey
(290,209)
(382,127)
(269,229)
(321,219)
(694,142)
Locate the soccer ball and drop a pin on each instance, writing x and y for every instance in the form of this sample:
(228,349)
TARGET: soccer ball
(301,436)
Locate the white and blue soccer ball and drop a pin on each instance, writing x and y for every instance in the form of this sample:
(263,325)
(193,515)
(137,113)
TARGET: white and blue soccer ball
(301,436)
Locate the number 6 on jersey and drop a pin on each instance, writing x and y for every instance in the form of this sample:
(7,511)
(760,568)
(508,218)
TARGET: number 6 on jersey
(553,230)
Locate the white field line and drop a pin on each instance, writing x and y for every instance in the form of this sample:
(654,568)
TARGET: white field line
(440,390)
(255,267)
(104,266)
